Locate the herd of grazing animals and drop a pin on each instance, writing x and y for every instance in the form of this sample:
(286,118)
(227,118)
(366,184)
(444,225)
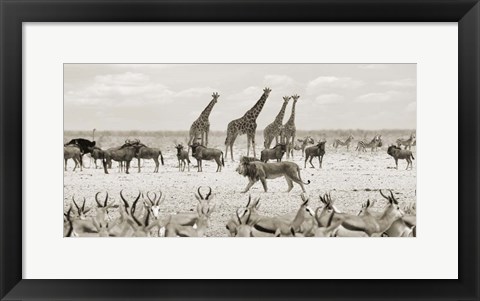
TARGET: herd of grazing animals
(283,135)
(141,216)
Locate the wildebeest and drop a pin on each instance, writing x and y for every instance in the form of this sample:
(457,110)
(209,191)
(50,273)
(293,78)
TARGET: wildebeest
(398,153)
(201,152)
(125,153)
(315,151)
(72,152)
(97,154)
(276,152)
(144,152)
(85,146)
(182,156)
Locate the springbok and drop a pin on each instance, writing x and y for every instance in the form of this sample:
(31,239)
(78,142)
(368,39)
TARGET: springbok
(293,228)
(174,226)
(402,227)
(372,225)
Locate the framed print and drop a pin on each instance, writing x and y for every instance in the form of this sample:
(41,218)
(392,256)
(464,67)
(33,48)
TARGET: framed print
(209,144)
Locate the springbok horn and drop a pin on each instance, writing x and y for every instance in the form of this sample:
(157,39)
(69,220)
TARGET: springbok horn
(238,216)
(67,215)
(317,218)
(249,199)
(147,217)
(150,199)
(383,194)
(106,200)
(124,201)
(133,212)
(96,199)
(393,198)
(209,192)
(83,205)
(73,199)
(199,193)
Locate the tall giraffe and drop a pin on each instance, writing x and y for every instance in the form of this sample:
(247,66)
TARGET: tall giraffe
(273,130)
(289,129)
(201,126)
(246,125)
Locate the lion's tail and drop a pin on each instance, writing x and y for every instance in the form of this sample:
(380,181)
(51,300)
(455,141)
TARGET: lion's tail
(306,183)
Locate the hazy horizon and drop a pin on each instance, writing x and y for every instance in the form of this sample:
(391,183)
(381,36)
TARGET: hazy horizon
(169,97)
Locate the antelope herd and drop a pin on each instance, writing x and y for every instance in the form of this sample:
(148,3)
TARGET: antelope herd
(141,216)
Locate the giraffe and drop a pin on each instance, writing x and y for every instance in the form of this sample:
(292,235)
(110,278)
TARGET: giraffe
(247,124)
(201,126)
(289,129)
(273,130)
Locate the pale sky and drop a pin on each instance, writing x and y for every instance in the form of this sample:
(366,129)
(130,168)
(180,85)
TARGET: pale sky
(157,97)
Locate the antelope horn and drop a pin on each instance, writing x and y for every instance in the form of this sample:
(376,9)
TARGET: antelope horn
(199,193)
(249,199)
(147,217)
(317,218)
(96,199)
(238,216)
(133,212)
(209,192)
(106,200)
(124,202)
(73,199)
(154,199)
(383,194)
(393,197)
(83,205)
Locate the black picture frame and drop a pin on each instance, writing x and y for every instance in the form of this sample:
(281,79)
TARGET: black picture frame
(14,12)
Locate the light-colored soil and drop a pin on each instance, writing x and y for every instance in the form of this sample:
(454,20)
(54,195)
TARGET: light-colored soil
(351,177)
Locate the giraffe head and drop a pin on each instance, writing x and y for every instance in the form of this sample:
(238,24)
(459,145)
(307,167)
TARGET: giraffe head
(267,91)
(286,99)
(215,96)
(295,97)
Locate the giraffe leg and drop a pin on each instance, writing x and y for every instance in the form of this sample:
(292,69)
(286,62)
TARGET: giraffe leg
(248,146)
(253,144)
(206,137)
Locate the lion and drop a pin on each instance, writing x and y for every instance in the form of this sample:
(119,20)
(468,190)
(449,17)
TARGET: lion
(256,170)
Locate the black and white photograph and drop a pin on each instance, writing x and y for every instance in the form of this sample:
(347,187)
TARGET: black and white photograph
(240,150)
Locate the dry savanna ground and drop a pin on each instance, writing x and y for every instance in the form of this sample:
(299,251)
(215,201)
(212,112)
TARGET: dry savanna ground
(350,176)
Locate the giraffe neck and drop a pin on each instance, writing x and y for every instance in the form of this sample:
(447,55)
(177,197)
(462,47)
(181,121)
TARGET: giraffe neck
(291,120)
(206,112)
(257,108)
(281,114)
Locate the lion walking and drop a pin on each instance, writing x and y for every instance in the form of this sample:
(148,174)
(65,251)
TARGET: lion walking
(256,171)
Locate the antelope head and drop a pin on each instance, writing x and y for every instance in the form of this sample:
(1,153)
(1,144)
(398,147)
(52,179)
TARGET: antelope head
(393,209)
(153,205)
(81,210)
(243,216)
(102,209)
(365,206)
